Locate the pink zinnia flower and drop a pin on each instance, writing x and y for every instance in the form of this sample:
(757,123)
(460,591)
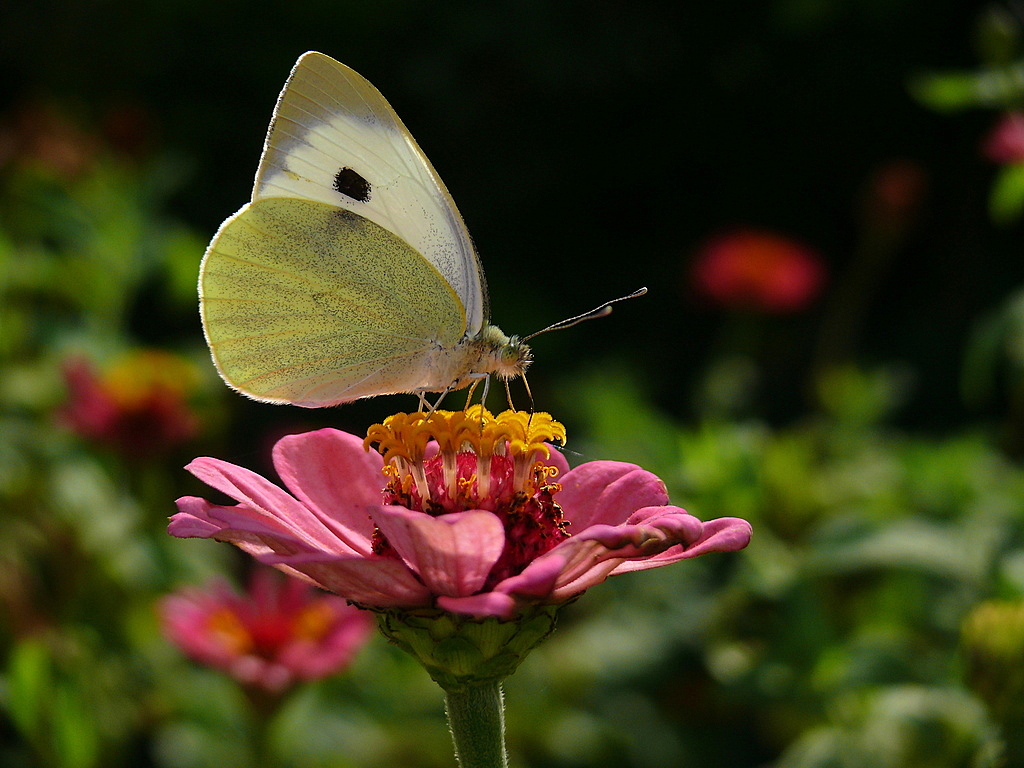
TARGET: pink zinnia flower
(280,632)
(138,406)
(759,271)
(474,524)
(1005,143)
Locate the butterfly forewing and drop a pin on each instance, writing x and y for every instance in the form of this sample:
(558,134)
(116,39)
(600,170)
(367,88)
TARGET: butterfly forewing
(307,304)
(335,139)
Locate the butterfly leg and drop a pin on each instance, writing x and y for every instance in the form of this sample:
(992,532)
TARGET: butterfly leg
(425,404)
(487,389)
(472,389)
(529,394)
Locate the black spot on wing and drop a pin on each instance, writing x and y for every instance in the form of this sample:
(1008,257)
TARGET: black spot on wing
(352,185)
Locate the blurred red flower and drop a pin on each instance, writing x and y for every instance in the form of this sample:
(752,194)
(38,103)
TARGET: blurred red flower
(1005,143)
(760,271)
(138,406)
(280,632)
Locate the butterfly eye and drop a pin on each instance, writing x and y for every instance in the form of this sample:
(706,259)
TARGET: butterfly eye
(516,357)
(512,352)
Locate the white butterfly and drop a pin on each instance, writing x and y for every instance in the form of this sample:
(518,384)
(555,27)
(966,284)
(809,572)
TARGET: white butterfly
(350,273)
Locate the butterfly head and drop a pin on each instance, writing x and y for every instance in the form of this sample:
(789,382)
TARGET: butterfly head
(507,357)
(514,359)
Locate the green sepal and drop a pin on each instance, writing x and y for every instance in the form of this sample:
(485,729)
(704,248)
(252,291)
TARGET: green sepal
(461,652)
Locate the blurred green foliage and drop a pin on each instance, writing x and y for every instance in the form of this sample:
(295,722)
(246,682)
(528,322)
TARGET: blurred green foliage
(835,638)
(998,83)
(877,456)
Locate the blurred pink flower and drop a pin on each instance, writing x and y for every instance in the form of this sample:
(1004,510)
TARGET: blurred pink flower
(761,271)
(138,406)
(473,524)
(1005,143)
(280,632)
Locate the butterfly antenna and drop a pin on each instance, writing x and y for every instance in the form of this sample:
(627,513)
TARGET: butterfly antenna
(601,311)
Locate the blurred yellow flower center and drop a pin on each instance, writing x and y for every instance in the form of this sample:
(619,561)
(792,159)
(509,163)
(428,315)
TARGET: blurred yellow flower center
(133,379)
(225,625)
(314,621)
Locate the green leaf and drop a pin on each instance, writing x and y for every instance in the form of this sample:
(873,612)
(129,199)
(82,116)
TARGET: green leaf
(76,742)
(29,683)
(997,87)
(1006,200)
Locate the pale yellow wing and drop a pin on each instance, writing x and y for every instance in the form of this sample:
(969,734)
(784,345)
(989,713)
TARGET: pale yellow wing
(310,304)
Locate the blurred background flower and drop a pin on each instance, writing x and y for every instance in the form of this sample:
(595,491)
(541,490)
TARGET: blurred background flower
(138,406)
(758,271)
(1005,143)
(280,632)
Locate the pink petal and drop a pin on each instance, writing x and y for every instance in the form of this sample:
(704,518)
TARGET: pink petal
(335,477)
(538,579)
(724,534)
(191,520)
(371,581)
(607,492)
(452,553)
(591,555)
(482,606)
(375,581)
(252,531)
(186,620)
(578,579)
(365,580)
(263,500)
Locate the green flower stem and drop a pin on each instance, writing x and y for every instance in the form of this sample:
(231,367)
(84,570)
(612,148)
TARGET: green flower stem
(476,716)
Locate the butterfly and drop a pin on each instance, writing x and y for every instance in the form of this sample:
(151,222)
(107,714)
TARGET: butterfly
(350,273)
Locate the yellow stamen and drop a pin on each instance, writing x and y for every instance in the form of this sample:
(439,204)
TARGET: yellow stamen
(402,440)
(404,436)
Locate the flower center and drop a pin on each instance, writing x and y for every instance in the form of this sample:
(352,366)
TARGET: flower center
(452,461)
(315,621)
(230,632)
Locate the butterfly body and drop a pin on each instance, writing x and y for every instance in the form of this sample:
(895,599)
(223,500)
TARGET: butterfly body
(350,273)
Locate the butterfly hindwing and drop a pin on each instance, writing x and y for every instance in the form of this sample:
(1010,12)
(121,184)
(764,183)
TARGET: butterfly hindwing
(309,304)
